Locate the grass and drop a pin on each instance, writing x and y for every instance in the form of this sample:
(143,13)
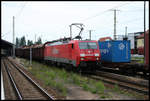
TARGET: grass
(58,78)
(121,91)
(139,59)
(99,86)
(116,88)
(103,96)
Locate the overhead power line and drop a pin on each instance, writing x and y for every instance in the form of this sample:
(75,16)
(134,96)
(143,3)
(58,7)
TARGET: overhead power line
(6,33)
(101,13)
(130,21)
(19,13)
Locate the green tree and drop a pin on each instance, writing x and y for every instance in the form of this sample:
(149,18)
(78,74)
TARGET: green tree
(39,41)
(22,41)
(29,43)
(17,42)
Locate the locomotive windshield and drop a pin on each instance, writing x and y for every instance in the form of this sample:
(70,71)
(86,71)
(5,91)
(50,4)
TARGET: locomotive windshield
(87,45)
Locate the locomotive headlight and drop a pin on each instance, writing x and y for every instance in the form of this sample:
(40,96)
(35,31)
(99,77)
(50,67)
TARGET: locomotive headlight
(82,58)
(82,54)
(97,58)
(96,54)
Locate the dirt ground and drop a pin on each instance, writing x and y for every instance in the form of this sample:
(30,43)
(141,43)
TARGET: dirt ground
(77,93)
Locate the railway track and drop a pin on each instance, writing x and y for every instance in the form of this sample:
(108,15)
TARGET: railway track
(125,72)
(135,84)
(24,87)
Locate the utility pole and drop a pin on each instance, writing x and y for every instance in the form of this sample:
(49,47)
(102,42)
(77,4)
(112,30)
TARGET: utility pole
(30,56)
(144,28)
(115,23)
(126,31)
(90,34)
(35,38)
(13,37)
(125,37)
(70,31)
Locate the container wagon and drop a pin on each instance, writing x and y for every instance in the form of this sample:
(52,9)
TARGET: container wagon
(117,51)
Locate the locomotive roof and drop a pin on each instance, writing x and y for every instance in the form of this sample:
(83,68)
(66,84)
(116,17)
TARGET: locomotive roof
(55,42)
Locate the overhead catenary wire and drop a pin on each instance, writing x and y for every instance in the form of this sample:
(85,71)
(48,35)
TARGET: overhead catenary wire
(90,17)
(109,10)
(105,12)
(17,16)
(96,14)
(6,33)
(101,13)
(129,21)
(21,10)
(87,19)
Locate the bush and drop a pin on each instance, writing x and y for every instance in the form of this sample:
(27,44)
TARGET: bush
(100,87)
(61,88)
(116,88)
(85,87)
(51,74)
(93,90)
(76,79)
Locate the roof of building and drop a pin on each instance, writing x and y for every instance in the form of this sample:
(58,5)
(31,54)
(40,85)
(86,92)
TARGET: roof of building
(6,44)
(142,35)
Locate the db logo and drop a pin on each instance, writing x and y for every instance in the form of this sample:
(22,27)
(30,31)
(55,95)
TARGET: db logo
(55,51)
(121,46)
(89,51)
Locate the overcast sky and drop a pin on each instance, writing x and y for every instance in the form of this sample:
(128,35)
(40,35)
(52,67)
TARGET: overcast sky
(51,20)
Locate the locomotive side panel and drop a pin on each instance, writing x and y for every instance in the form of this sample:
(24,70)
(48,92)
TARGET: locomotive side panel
(59,53)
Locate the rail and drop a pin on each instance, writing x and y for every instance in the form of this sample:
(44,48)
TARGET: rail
(120,80)
(18,92)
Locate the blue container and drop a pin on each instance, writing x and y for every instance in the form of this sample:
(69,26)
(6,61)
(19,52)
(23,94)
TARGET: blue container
(115,51)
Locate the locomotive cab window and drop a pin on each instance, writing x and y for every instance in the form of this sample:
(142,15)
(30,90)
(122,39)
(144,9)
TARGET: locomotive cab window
(72,45)
(87,45)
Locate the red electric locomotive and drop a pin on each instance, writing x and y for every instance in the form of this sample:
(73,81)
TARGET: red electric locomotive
(79,53)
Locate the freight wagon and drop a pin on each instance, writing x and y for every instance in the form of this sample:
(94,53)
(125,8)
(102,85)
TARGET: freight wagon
(133,40)
(140,44)
(133,37)
(147,48)
(117,51)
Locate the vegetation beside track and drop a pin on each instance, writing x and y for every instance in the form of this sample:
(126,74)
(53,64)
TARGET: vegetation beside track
(138,59)
(58,78)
